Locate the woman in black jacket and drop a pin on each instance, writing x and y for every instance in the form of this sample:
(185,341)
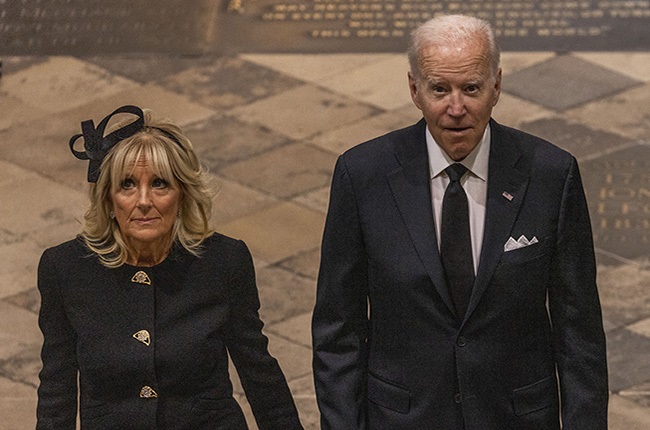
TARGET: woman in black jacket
(140,312)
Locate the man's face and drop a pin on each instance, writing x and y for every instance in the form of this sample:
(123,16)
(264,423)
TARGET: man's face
(456,93)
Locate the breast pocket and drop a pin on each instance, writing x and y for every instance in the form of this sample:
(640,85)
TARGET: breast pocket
(527,253)
(524,271)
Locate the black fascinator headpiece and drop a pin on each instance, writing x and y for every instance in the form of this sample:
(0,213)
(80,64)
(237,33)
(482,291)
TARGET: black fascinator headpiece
(97,145)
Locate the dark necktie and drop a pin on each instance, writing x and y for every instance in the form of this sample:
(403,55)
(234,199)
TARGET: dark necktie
(455,240)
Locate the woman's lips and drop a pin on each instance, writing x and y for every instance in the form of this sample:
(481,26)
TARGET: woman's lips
(144,220)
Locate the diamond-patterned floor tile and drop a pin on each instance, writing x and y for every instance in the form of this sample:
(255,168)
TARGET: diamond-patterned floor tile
(410,112)
(279,231)
(579,140)
(303,393)
(513,111)
(214,85)
(13,64)
(618,193)
(305,111)
(25,365)
(284,295)
(624,414)
(62,83)
(514,61)
(317,199)
(37,203)
(221,140)
(25,334)
(624,293)
(285,171)
(29,299)
(315,68)
(641,328)
(146,68)
(297,328)
(564,82)
(178,107)
(633,64)
(340,139)
(294,359)
(305,263)
(626,113)
(19,263)
(628,360)
(639,394)
(43,147)
(383,84)
(14,112)
(17,405)
(234,200)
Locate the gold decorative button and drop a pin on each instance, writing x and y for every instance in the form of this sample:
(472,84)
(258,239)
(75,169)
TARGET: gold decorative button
(143,336)
(141,277)
(148,393)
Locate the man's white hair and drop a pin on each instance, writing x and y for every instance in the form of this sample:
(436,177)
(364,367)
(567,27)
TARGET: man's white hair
(450,29)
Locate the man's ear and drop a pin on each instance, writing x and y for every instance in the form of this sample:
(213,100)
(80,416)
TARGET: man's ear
(413,87)
(497,88)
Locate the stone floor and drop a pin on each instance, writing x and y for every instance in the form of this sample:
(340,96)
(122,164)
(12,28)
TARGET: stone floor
(270,127)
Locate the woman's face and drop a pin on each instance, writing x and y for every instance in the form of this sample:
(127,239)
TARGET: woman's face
(145,207)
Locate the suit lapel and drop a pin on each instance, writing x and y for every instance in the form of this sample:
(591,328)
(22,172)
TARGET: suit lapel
(411,190)
(506,189)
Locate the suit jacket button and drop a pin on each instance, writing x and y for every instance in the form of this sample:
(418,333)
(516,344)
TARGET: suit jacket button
(458,398)
(461,341)
(148,393)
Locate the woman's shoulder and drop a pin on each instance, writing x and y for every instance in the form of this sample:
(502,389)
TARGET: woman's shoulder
(69,249)
(69,257)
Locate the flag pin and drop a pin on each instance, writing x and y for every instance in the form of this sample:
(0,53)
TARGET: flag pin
(507,195)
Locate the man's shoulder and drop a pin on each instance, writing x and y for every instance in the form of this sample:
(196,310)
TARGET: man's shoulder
(382,148)
(528,144)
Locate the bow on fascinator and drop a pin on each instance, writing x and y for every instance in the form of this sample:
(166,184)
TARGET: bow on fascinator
(97,145)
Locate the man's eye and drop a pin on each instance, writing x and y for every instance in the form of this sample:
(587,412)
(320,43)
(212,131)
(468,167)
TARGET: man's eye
(472,89)
(438,90)
(160,183)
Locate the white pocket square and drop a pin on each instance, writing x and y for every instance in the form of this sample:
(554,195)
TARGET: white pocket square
(513,244)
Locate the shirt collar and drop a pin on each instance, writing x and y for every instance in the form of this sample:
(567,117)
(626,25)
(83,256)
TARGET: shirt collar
(476,162)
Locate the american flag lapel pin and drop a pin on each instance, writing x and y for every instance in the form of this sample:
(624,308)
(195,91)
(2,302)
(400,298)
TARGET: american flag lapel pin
(507,195)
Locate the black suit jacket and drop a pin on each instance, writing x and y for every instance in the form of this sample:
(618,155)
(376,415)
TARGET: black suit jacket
(197,311)
(389,352)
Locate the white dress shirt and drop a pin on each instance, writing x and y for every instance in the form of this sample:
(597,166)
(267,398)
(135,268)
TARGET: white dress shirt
(474,182)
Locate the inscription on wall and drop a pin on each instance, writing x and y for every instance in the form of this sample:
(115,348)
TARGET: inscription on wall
(385,24)
(101,26)
(618,191)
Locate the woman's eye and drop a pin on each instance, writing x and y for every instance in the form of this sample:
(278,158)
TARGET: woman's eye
(159,183)
(128,183)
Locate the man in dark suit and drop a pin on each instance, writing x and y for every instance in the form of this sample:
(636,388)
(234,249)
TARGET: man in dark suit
(457,282)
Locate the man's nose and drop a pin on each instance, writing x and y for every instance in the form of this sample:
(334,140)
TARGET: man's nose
(456,105)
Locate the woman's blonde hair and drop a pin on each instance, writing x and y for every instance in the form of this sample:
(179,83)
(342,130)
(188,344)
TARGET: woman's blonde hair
(171,156)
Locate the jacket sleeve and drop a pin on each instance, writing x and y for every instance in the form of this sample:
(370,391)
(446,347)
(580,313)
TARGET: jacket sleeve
(57,392)
(260,374)
(579,340)
(340,320)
